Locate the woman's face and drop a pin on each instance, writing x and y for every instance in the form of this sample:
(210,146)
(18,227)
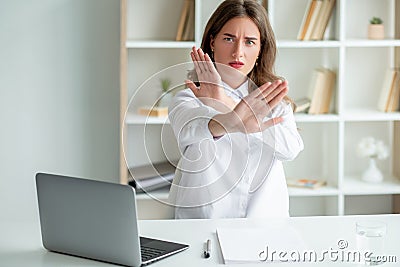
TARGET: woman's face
(237,44)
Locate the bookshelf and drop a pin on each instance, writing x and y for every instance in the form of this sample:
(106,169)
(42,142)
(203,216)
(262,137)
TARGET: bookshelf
(330,139)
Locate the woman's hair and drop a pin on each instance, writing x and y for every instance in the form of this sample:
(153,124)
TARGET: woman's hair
(263,71)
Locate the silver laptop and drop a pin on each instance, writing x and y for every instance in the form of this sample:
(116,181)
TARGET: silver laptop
(95,220)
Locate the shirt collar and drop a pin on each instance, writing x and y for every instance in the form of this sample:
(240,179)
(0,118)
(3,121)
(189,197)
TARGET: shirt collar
(239,92)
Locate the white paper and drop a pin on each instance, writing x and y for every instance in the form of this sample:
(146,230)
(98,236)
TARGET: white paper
(258,245)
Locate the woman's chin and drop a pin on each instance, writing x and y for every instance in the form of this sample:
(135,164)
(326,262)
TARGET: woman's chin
(231,76)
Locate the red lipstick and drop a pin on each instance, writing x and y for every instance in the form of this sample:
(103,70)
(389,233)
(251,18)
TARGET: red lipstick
(236,64)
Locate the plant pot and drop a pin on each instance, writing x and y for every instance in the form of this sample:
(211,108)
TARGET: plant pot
(372,174)
(376,31)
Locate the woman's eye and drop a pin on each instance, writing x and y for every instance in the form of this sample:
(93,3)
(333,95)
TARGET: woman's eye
(229,39)
(249,42)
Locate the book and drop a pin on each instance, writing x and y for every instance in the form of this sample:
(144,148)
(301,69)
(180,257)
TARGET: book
(318,19)
(151,176)
(188,33)
(153,111)
(323,20)
(302,105)
(313,91)
(389,96)
(305,183)
(313,20)
(183,20)
(321,90)
(393,102)
(153,183)
(327,93)
(385,90)
(306,19)
(327,18)
(396,96)
(152,170)
(185,31)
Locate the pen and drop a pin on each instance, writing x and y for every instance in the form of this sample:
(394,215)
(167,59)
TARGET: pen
(207,251)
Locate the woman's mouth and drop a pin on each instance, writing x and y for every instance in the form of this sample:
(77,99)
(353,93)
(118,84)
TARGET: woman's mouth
(236,64)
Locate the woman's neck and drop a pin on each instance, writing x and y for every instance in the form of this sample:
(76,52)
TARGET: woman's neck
(234,83)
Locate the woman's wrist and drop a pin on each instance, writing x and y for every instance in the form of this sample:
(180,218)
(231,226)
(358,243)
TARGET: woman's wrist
(216,127)
(222,124)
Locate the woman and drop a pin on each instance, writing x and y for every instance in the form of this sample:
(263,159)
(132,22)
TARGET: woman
(234,124)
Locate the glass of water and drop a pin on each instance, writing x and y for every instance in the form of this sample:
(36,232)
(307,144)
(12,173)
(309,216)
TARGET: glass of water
(371,241)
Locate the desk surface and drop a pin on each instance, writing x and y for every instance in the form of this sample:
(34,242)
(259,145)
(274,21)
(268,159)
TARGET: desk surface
(20,243)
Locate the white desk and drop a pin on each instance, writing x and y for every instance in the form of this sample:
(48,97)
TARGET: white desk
(20,243)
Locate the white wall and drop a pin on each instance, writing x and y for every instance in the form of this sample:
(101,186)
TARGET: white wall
(59,95)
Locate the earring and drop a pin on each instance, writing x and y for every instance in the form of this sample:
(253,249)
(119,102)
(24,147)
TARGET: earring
(256,61)
(212,53)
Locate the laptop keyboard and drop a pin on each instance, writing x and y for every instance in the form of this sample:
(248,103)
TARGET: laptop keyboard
(150,253)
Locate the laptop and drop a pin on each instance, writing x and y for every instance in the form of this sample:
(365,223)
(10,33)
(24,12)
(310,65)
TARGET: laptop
(95,220)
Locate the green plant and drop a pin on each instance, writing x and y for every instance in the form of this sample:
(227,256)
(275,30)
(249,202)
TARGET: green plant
(376,20)
(165,84)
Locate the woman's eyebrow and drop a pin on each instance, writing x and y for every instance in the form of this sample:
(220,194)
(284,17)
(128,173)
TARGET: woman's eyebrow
(234,36)
(229,35)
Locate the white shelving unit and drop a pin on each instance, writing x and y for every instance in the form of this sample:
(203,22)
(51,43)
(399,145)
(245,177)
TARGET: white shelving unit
(329,139)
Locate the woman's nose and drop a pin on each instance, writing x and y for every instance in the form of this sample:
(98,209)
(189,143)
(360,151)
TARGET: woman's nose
(238,50)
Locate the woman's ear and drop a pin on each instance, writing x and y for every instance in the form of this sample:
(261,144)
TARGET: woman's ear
(212,42)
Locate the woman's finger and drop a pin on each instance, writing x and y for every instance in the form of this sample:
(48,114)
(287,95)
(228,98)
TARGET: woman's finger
(267,88)
(196,64)
(196,57)
(192,87)
(210,64)
(272,104)
(271,122)
(258,92)
(271,94)
(203,63)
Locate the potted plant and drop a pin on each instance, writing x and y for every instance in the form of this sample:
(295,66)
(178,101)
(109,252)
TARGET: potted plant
(165,96)
(376,29)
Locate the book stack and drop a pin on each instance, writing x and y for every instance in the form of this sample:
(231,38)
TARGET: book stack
(390,93)
(152,176)
(321,90)
(306,183)
(186,22)
(153,111)
(316,19)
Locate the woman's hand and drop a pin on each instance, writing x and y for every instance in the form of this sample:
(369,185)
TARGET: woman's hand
(210,92)
(249,114)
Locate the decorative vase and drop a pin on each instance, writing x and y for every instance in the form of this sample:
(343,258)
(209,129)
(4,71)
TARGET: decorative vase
(372,174)
(376,31)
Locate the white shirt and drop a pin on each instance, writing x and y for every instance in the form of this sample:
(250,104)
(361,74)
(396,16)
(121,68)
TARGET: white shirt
(237,175)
